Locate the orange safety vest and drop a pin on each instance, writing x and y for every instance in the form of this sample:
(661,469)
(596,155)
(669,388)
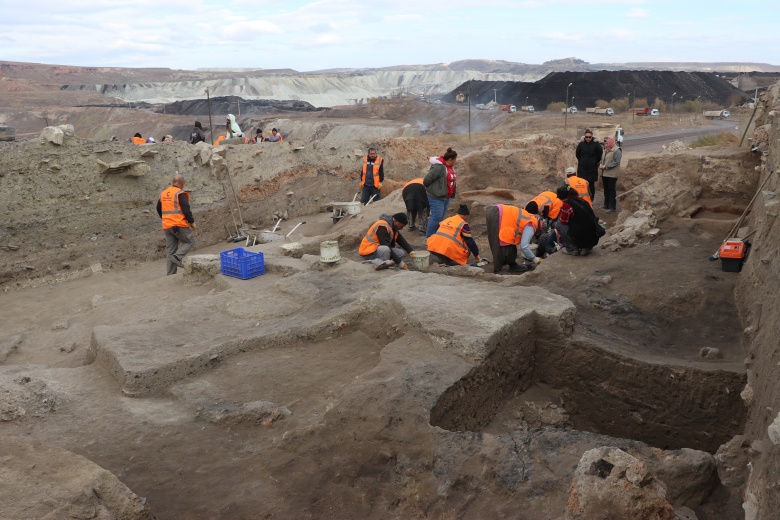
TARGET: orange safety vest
(581,185)
(219,140)
(172,215)
(139,140)
(448,241)
(513,222)
(370,242)
(548,198)
(375,170)
(413,181)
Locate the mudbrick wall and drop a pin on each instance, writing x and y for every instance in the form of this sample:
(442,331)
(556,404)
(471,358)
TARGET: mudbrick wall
(758,297)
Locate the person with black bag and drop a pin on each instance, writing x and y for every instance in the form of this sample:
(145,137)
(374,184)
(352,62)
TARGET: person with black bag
(577,226)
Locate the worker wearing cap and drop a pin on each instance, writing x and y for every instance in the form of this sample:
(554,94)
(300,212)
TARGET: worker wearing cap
(452,242)
(384,244)
(579,184)
(372,175)
(173,206)
(508,226)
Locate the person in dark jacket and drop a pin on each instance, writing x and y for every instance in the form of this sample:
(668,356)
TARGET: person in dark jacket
(416,200)
(589,152)
(384,244)
(197,135)
(440,184)
(576,224)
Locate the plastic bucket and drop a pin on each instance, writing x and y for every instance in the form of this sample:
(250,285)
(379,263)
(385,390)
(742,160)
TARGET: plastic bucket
(420,260)
(329,251)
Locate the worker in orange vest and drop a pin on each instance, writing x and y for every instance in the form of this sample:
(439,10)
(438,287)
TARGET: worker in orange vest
(452,242)
(137,139)
(371,176)
(416,199)
(579,184)
(384,244)
(510,226)
(178,224)
(548,204)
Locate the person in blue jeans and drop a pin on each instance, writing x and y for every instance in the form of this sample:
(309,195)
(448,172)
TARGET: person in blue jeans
(440,187)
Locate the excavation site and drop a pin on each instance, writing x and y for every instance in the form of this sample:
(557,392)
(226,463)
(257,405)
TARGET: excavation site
(280,375)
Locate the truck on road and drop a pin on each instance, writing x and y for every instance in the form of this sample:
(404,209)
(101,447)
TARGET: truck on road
(527,108)
(572,110)
(716,114)
(640,111)
(508,108)
(596,111)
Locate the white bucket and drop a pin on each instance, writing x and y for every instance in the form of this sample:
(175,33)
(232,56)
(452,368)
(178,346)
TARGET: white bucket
(267,236)
(329,251)
(420,260)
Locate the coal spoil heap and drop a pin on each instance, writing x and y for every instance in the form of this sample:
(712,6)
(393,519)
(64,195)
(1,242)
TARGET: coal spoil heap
(587,87)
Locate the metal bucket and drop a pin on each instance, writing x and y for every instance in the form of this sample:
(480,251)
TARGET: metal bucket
(420,260)
(329,252)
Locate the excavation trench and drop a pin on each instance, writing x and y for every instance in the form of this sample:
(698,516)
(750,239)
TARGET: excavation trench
(590,389)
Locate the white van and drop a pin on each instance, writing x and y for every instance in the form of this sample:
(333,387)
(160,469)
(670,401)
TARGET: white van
(655,112)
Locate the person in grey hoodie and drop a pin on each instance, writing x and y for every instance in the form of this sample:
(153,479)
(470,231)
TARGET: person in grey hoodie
(440,186)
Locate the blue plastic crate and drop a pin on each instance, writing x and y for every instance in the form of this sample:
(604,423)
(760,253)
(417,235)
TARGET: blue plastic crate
(241,263)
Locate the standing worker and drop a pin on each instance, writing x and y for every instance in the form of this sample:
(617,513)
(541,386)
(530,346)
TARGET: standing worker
(579,184)
(384,244)
(588,154)
(609,168)
(452,243)
(508,226)
(372,176)
(173,206)
(440,183)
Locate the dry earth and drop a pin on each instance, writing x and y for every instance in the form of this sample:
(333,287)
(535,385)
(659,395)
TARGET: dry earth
(333,391)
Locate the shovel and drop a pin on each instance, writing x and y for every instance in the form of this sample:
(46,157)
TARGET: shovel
(276,225)
(293,229)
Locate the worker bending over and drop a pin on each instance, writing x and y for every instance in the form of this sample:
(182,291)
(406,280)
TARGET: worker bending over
(452,242)
(508,226)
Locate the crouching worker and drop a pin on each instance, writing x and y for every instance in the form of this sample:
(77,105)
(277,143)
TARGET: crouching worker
(508,226)
(577,225)
(452,242)
(384,244)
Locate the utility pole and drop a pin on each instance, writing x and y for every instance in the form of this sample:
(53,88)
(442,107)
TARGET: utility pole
(211,130)
(495,95)
(468,97)
(566,113)
(672,109)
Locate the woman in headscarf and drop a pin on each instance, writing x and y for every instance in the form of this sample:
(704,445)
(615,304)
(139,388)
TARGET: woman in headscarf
(231,127)
(576,223)
(609,168)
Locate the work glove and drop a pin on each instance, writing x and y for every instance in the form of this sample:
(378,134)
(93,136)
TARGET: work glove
(193,227)
(537,260)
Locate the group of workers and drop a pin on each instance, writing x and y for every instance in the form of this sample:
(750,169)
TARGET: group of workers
(561,220)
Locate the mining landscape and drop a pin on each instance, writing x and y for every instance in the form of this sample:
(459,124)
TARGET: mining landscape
(638,382)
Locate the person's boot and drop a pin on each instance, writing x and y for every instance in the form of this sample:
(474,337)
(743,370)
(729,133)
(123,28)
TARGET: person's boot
(411,220)
(514,267)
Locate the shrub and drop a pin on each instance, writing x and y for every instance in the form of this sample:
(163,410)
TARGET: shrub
(619,105)
(721,139)
(556,107)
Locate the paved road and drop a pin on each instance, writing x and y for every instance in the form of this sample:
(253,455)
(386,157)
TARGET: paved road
(656,141)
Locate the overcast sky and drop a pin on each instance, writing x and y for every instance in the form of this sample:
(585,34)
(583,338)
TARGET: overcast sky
(306,35)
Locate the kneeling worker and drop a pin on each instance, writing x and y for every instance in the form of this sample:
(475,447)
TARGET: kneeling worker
(384,244)
(452,242)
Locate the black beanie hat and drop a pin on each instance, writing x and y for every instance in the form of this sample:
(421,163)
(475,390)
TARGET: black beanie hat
(463,210)
(401,217)
(532,208)
(197,125)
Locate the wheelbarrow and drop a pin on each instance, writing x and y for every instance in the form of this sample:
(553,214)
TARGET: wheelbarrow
(343,209)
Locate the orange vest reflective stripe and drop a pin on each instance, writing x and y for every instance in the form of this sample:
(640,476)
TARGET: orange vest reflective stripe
(513,222)
(413,181)
(548,198)
(139,140)
(375,170)
(448,241)
(370,242)
(172,215)
(581,185)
